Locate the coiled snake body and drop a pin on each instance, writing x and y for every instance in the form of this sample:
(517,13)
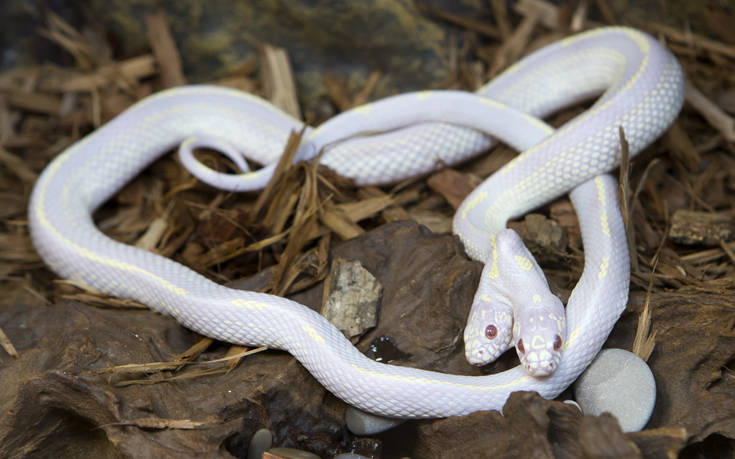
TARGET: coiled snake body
(642,89)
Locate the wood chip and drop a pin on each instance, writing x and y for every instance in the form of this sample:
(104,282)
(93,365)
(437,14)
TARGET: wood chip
(500,13)
(360,210)
(336,220)
(7,344)
(546,12)
(155,232)
(164,48)
(453,185)
(123,72)
(278,80)
(690,39)
(17,166)
(34,102)
(691,227)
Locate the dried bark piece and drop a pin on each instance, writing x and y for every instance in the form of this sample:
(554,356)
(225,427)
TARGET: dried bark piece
(529,427)
(706,228)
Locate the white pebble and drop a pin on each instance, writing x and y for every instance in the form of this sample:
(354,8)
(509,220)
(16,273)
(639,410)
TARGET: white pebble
(362,423)
(620,383)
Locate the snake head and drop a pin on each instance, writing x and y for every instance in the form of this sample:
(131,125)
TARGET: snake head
(539,338)
(488,332)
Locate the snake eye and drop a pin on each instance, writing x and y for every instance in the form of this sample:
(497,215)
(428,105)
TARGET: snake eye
(491,331)
(557,343)
(520,347)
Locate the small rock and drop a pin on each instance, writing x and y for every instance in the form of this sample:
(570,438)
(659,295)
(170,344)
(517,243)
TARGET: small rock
(620,383)
(349,456)
(362,423)
(288,453)
(262,441)
(353,296)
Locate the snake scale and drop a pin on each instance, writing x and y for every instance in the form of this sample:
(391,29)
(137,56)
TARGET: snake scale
(640,87)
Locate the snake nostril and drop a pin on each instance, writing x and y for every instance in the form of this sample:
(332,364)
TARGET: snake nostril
(491,331)
(557,343)
(520,347)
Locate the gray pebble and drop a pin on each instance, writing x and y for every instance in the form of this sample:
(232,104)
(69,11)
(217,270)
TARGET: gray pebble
(362,423)
(620,383)
(261,442)
(349,456)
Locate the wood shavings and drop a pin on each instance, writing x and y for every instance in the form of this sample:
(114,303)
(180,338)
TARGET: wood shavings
(454,186)
(287,232)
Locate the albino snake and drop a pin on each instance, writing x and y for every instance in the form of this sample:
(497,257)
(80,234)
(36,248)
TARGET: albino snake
(642,89)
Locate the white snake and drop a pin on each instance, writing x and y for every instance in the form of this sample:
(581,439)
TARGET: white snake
(642,89)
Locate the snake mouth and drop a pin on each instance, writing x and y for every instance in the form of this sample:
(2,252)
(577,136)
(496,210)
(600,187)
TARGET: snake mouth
(482,355)
(538,367)
(542,370)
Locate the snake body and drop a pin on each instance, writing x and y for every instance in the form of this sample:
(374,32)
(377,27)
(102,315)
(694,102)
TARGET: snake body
(642,89)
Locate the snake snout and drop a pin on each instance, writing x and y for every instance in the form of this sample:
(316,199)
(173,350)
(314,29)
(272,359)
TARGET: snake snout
(482,354)
(542,357)
(542,369)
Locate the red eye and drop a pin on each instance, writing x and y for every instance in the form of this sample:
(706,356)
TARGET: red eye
(520,347)
(491,331)
(557,343)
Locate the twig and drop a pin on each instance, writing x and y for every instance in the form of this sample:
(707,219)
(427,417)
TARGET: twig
(714,115)
(625,208)
(7,344)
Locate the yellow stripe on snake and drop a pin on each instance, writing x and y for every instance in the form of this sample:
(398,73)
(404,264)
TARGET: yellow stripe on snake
(641,88)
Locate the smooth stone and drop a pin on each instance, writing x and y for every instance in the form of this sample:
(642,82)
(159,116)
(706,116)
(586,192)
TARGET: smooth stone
(362,423)
(349,456)
(620,383)
(261,442)
(292,453)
